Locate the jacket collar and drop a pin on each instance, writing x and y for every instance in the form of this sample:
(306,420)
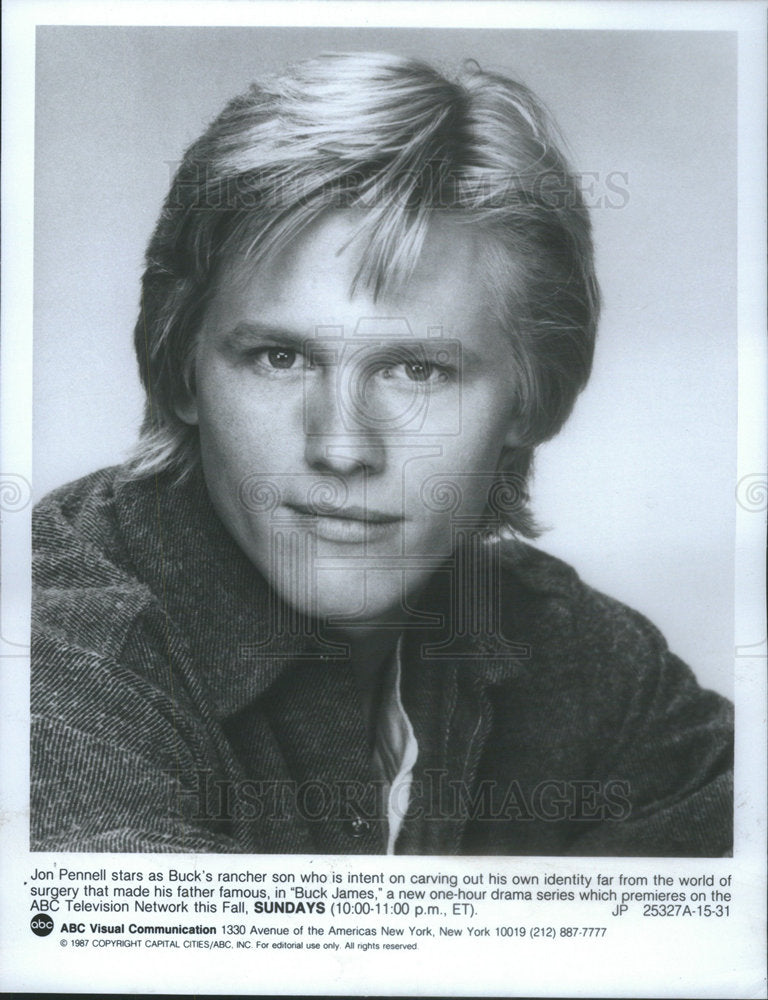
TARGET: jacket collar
(208,588)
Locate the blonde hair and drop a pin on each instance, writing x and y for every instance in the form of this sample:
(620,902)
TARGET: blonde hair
(392,137)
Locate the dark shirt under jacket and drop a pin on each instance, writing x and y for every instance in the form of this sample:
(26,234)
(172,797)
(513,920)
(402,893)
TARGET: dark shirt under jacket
(174,711)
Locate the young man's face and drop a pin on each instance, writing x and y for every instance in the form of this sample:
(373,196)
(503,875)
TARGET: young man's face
(341,438)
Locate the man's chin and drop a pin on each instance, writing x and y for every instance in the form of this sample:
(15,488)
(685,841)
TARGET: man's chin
(342,597)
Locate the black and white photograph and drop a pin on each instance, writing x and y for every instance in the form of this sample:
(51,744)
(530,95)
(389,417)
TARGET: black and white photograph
(306,613)
(387,467)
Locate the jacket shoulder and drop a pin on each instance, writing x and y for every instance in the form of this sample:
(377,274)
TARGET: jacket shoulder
(568,605)
(85,592)
(83,508)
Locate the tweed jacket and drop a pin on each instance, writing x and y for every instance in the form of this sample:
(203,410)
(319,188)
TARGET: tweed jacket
(176,706)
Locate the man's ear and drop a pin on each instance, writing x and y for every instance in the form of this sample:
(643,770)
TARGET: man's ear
(512,437)
(516,458)
(186,410)
(185,403)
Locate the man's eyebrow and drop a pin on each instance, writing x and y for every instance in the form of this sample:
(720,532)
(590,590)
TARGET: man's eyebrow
(451,347)
(253,332)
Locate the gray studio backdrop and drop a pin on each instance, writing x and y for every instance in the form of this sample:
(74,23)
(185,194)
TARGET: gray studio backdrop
(639,488)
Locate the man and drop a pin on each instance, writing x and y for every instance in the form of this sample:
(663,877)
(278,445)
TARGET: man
(302,619)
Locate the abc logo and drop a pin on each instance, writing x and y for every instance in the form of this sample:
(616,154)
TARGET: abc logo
(42,924)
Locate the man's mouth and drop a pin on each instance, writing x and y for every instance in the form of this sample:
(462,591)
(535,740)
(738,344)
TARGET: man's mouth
(350,524)
(349,513)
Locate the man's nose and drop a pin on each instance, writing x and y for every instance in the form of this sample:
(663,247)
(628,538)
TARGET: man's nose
(340,434)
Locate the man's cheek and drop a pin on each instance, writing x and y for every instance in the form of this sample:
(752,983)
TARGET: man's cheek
(428,533)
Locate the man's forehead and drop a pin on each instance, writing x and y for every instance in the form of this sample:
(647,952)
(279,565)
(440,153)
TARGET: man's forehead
(334,245)
(309,287)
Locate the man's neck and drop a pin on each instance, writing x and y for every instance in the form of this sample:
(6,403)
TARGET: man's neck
(371,651)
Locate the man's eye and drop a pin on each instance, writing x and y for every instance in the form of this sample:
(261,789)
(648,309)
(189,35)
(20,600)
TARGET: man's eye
(416,371)
(281,357)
